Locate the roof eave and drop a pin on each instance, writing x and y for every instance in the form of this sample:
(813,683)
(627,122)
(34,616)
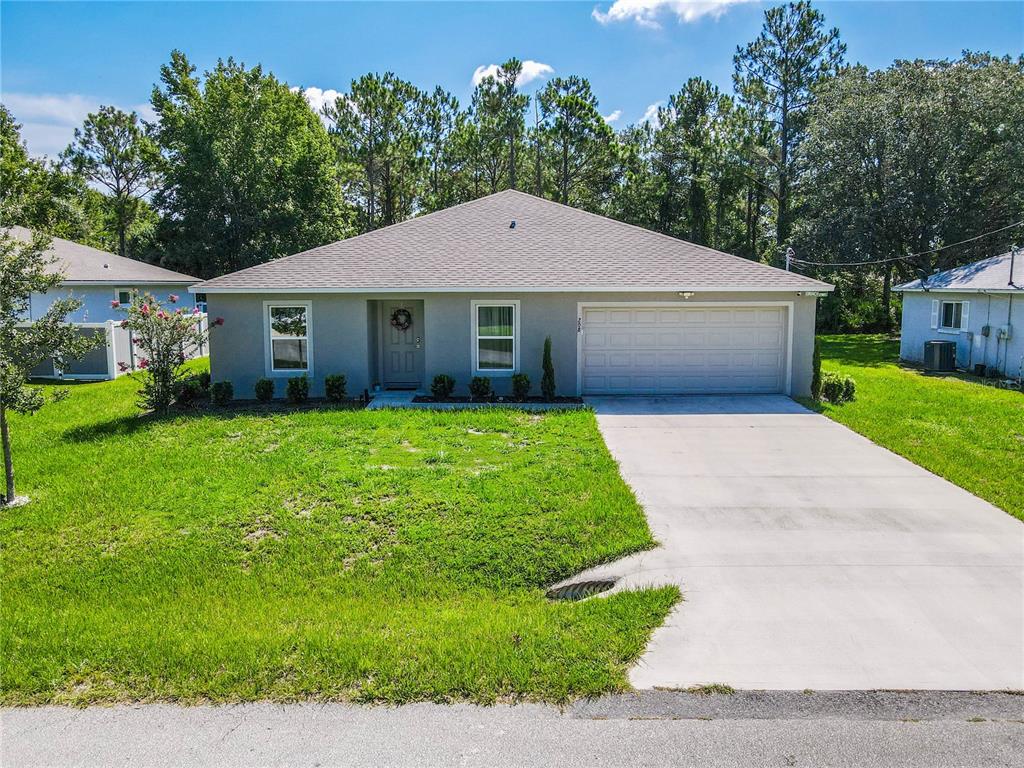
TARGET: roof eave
(811,288)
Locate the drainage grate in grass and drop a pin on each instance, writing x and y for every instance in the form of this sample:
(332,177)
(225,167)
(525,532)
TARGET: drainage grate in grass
(580,589)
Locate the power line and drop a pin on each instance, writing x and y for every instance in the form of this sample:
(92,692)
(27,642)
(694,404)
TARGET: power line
(796,259)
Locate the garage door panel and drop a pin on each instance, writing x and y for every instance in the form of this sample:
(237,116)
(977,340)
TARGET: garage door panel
(669,350)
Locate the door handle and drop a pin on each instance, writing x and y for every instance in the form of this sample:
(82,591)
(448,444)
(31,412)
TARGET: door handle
(419,340)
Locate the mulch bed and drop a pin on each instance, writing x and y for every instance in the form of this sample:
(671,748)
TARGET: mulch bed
(497,400)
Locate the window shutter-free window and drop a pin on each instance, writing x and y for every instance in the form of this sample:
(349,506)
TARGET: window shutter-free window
(935,313)
(289,338)
(495,337)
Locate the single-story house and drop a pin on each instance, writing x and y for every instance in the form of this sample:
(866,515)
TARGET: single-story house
(979,306)
(97,278)
(473,290)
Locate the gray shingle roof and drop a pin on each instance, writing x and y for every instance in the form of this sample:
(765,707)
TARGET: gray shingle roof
(991,274)
(473,246)
(82,264)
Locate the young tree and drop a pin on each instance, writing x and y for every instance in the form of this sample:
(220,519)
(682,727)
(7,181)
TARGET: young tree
(250,172)
(377,132)
(114,149)
(775,78)
(580,143)
(26,268)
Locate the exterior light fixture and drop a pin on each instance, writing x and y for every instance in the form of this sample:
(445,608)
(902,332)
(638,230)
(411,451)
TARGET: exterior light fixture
(686,294)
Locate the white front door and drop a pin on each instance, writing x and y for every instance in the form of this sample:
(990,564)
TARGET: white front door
(645,350)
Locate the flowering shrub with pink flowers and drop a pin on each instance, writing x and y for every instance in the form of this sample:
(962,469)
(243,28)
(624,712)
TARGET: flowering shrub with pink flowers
(161,336)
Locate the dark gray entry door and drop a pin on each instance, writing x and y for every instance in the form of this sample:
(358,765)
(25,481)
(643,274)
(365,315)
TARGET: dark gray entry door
(403,350)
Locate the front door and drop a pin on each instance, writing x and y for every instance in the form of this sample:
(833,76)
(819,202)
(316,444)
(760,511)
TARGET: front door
(402,333)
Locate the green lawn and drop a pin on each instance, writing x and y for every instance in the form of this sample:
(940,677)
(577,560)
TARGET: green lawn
(967,432)
(351,555)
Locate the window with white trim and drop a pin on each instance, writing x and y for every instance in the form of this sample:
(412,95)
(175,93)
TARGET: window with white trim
(952,316)
(495,336)
(288,347)
(201,302)
(124,296)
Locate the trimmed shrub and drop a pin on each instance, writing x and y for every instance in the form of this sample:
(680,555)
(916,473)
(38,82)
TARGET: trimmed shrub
(836,388)
(816,371)
(480,388)
(547,381)
(442,386)
(190,389)
(203,377)
(334,387)
(264,390)
(520,386)
(297,390)
(222,392)
(849,389)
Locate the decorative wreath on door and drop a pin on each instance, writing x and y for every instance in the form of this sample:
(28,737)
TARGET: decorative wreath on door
(401,319)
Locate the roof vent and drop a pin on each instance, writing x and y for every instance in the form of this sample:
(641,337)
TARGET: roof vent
(106,266)
(512,225)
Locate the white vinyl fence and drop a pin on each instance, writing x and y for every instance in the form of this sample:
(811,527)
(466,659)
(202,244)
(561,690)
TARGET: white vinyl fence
(104,361)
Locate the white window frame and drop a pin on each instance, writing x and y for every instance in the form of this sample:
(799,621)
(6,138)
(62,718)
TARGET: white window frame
(475,337)
(202,304)
(942,314)
(131,295)
(268,348)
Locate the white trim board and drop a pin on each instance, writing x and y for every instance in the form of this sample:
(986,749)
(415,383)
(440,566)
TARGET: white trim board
(789,305)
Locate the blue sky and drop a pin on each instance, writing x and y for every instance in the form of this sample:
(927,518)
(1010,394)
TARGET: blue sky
(60,60)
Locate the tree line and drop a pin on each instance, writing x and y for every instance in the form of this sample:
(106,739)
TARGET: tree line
(808,152)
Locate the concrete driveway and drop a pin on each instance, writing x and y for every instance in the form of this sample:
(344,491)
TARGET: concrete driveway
(808,556)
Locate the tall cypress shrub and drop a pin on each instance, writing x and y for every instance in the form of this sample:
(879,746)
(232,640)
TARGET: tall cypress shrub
(547,381)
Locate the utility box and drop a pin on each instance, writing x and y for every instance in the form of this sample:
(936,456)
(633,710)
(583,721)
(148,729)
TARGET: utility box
(940,355)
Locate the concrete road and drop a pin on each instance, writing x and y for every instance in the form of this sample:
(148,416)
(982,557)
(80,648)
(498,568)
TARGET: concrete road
(653,729)
(808,556)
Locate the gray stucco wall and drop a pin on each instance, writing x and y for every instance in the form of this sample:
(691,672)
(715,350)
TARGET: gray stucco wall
(995,310)
(343,338)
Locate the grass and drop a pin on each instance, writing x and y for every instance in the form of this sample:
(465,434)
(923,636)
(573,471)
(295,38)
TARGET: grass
(968,432)
(333,555)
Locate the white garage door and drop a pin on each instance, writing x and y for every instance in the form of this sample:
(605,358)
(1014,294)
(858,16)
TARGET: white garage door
(669,350)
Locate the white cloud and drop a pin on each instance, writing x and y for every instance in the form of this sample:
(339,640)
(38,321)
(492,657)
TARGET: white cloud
(651,114)
(48,120)
(318,98)
(646,12)
(531,71)
(613,116)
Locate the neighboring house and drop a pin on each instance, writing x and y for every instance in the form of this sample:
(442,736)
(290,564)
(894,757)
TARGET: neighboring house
(98,278)
(980,306)
(473,290)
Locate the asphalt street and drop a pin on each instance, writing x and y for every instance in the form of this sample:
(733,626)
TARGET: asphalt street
(656,728)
